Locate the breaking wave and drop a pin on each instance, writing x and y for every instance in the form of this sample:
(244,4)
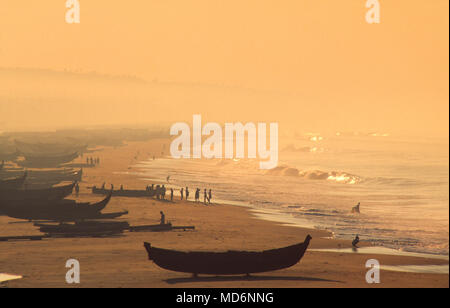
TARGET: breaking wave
(333,176)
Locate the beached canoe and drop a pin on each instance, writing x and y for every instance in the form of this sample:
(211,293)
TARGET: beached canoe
(36,195)
(227,263)
(12,184)
(84,228)
(63,210)
(43,177)
(48,161)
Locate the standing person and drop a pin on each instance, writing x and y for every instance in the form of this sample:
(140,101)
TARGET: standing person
(205,196)
(197,194)
(187,193)
(77,189)
(209,196)
(181,192)
(92,161)
(171,194)
(158,192)
(163,192)
(163,218)
(87,160)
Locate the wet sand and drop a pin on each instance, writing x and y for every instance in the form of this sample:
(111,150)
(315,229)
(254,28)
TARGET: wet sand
(122,261)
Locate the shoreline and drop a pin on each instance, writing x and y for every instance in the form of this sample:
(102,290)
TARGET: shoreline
(122,261)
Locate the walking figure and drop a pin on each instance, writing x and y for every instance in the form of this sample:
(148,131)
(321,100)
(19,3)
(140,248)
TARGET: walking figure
(187,193)
(77,189)
(158,192)
(163,192)
(355,209)
(197,195)
(209,196)
(205,196)
(163,218)
(181,192)
(355,241)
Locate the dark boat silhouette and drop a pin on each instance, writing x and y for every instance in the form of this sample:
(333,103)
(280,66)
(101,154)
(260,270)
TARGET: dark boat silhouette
(47,161)
(12,184)
(36,195)
(84,228)
(46,177)
(41,149)
(63,210)
(227,263)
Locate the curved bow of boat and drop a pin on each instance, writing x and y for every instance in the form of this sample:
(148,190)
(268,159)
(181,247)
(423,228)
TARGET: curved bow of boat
(148,248)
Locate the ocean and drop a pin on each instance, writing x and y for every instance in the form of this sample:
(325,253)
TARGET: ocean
(401,182)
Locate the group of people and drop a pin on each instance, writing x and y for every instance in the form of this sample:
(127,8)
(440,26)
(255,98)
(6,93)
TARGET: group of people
(207,195)
(160,191)
(92,161)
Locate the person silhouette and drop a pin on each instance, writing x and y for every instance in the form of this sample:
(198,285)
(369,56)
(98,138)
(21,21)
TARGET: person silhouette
(77,189)
(355,241)
(197,195)
(163,218)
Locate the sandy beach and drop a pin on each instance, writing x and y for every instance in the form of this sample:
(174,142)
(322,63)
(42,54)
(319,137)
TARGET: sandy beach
(122,261)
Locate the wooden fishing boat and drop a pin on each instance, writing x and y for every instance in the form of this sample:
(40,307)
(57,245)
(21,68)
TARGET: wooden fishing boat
(84,228)
(45,178)
(48,161)
(9,156)
(36,195)
(12,184)
(40,148)
(227,263)
(63,210)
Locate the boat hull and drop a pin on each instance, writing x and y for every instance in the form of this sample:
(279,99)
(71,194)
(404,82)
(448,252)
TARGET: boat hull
(227,263)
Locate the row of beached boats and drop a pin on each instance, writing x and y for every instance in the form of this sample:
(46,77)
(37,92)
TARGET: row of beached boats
(57,216)
(17,201)
(80,219)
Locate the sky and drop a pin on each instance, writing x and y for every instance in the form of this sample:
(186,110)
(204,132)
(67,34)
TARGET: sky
(308,65)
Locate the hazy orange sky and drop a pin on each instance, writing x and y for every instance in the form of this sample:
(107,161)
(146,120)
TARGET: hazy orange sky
(310,65)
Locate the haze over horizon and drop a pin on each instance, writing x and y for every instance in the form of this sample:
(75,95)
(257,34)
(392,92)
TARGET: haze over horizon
(309,65)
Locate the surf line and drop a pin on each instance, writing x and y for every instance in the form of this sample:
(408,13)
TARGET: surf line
(212,147)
